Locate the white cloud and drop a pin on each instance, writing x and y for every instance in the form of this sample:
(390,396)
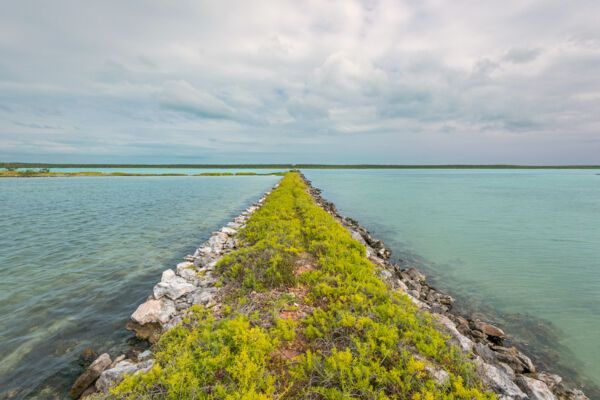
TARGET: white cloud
(277,78)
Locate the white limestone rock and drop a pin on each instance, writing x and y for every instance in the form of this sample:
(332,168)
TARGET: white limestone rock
(228,231)
(536,390)
(187,271)
(202,296)
(154,311)
(113,376)
(499,381)
(172,286)
(458,338)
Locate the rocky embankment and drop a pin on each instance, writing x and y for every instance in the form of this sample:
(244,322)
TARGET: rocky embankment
(191,282)
(505,371)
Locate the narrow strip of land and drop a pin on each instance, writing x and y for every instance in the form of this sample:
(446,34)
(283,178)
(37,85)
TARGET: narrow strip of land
(304,314)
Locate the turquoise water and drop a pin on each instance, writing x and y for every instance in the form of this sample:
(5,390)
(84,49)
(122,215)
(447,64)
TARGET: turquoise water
(186,171)
(519,246)
(77,255)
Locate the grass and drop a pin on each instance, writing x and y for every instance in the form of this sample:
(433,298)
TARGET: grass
(305,316)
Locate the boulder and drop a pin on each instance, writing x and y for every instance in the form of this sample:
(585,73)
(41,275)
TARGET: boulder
(228,231)
(230,244)
(462,341)
(499,381)
(216,241)
(515,359)
(445,299)
(401,285)
(150,331)
(172,286)
(358,237)
(552,380)
(384,274)
(204,260)
(90,375)
(154,311)
(413,285)
(536,390)
(202,296)
(115,375)
(202,250)
(491,330)
(415,275)
(144,355)
(116,361)
(234,225)
(187,271)
(485,352)
(86,357)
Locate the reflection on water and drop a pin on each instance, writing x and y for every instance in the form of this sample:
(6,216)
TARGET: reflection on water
(77,255)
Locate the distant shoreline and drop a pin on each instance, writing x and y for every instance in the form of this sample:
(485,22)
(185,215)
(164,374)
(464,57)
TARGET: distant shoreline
(50,174)
(298,166)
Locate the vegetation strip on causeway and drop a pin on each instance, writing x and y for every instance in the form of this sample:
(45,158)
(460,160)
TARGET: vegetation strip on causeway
(292,300)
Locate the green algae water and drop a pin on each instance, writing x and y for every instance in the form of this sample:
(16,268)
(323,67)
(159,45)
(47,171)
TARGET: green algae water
(520,247)
(77,256)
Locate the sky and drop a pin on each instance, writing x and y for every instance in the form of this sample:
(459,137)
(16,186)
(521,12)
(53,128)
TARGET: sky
(392,82)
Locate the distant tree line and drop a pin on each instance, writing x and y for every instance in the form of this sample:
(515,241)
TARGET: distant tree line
(15,165)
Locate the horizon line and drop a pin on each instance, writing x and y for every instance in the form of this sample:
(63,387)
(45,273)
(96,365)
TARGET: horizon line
(295,166)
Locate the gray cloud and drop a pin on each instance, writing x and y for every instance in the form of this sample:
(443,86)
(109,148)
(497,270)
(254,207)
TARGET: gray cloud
(371,81)
(521,55)
(181,96)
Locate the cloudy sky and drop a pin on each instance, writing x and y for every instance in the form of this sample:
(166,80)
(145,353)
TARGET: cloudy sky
(407,82)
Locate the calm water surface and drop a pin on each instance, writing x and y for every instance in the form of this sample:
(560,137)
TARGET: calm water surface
(77,255)
(519,246)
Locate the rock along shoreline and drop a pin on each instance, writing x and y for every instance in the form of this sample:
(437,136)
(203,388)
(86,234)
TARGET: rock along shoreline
(505,371)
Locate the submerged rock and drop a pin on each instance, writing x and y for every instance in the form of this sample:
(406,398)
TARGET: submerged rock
(90,375)
(150,331)
(86,357)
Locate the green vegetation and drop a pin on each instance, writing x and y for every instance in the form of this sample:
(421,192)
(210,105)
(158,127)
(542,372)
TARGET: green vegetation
(305,317)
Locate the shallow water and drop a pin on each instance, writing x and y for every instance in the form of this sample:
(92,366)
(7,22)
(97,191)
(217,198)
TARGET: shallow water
(77,255)
(519,246)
